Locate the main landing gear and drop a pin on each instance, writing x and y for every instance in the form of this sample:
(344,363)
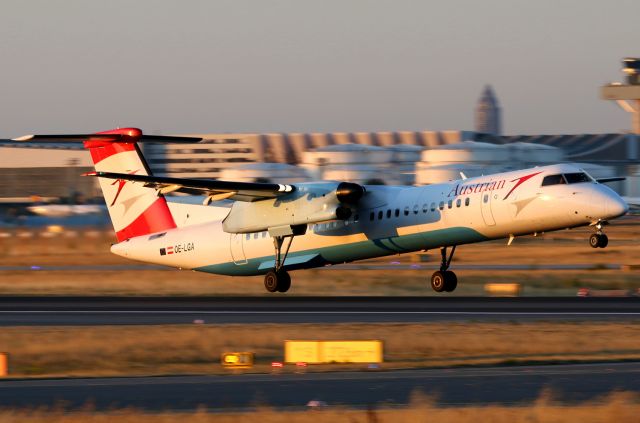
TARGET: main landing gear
(599,239)
(278,280)
(444,279)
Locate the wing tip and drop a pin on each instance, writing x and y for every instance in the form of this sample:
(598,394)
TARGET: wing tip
(24,138)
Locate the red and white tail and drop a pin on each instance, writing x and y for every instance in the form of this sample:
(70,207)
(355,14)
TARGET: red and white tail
(134,209)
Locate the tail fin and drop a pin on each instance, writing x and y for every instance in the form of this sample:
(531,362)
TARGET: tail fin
(134,209)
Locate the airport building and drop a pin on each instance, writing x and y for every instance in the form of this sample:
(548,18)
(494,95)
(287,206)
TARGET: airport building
(487,114)
(206,159)
(46,171)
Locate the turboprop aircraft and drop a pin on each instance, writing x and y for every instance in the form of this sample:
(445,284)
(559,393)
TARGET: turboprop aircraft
(271,229)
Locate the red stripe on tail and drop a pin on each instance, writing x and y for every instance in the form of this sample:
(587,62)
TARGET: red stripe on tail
(102,149)
(156,218)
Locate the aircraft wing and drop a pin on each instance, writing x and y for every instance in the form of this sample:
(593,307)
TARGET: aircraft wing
(213,190)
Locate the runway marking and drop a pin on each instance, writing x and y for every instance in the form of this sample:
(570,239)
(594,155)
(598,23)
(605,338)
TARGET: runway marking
(472,313)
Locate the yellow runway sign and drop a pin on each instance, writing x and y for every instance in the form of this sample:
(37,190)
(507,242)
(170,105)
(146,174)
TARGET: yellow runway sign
(323,352)
(237,359)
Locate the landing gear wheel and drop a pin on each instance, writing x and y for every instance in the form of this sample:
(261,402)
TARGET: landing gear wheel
(271,281)
(604,241)
(444,280)
(438,281)
(598,241)
(450,281)
(277,281)
(284,281)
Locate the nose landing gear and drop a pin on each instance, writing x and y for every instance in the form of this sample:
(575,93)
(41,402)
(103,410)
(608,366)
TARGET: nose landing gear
(444,279)
(599,239)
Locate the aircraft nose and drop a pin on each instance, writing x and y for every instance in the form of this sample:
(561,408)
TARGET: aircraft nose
(616,206)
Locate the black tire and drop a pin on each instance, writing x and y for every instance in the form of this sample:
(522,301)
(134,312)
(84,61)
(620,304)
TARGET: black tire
(450,281)
(271,281)
(284,281)
(594,240)
(604,241)
(438,281)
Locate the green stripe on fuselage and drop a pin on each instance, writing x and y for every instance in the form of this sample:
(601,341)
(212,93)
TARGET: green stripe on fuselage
(355,251)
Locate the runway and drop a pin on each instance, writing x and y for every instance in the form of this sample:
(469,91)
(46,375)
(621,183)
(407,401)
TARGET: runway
(463,386)
(290,309)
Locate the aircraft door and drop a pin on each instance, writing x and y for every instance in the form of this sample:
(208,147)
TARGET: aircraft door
(485,207)
(237,249)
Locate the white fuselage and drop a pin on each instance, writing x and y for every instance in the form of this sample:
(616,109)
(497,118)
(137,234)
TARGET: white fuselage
(387,220)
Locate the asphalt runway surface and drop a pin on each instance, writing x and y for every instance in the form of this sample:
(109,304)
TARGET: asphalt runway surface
(290,309)
(462,386)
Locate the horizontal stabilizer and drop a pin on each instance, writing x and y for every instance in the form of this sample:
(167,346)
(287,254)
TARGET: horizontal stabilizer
(213,189)
(107,138)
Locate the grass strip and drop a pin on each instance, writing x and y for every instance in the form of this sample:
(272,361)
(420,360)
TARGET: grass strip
(184,349)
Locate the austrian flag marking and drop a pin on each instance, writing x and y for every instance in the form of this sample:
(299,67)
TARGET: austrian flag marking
(177,249)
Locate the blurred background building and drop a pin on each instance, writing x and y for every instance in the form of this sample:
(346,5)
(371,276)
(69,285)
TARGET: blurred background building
(488,118)
(47,171)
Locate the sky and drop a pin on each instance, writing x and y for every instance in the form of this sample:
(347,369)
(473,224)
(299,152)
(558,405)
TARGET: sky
(310,66)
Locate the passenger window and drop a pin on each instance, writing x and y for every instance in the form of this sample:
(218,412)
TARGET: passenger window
(433,206)
(425,208)
(441,205)
(397,212)
(380,213)
(415,209)
(458,202)
(466,201)
(255,236)
(485,199)
(406,211)
(388,213)
(553,180)
(248,237)
(450,203)
(356,218)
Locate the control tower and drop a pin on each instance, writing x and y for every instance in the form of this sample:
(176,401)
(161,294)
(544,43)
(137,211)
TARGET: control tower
(627,95)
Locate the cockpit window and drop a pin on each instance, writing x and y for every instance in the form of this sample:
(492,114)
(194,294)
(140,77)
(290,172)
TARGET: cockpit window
(553,180)
(576,178)
(567,178)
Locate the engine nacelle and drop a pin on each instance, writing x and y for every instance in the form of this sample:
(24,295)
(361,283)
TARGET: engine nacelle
(309,203)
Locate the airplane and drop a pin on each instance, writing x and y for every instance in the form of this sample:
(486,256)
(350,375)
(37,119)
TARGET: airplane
(246,229)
